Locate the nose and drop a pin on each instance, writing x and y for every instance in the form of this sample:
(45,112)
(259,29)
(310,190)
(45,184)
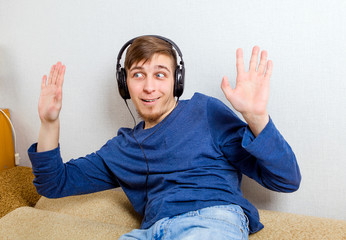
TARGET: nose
(149,85)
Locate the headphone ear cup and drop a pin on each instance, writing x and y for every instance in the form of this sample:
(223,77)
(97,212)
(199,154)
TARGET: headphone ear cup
(179,81)
(122,84)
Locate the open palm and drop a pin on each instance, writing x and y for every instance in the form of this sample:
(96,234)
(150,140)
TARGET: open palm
(251,93)
(50,101)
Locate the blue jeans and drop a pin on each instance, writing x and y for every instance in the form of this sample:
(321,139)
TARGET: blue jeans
(218,222)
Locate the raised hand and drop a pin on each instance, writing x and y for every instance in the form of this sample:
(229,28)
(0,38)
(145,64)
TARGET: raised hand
(49,107)
(50,101)
(251,93)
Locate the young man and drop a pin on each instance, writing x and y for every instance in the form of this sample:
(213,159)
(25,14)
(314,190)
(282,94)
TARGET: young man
(181,167)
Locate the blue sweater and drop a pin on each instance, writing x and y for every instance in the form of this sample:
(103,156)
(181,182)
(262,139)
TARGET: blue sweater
(196,157)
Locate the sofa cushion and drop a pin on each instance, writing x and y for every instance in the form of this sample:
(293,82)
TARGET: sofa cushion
(280,225)
(111,206)
(26,223)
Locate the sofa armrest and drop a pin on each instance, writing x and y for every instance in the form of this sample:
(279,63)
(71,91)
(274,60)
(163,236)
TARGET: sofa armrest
(17,189)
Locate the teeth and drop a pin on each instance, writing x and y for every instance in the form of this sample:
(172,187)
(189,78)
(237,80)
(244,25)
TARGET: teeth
(149,100)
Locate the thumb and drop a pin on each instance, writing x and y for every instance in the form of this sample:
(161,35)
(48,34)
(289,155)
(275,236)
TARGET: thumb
(226,88)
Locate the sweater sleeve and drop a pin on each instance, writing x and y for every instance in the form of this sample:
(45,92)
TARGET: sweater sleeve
(268,158)
(55,179)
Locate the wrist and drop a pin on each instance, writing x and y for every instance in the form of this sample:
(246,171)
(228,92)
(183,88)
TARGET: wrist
(256,122)
(48,138)
(50,125)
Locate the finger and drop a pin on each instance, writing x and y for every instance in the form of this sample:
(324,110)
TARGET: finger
(56,73)
(240,61)
(51,74)
(262,64)
(44,81)
(226,88)
(254,57)
(59,95)
(269,71)
(60,80)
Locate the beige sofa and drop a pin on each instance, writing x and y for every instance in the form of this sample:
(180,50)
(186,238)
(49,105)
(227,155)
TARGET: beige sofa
(109,214)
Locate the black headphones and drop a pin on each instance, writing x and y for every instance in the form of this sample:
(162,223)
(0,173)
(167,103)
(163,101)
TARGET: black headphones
(178,76)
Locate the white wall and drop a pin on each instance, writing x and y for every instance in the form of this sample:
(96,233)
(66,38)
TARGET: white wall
(305,39)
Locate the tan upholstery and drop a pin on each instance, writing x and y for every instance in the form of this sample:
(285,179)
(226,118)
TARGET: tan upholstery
(109,214)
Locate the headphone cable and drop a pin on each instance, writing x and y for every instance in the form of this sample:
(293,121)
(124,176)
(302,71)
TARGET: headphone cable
(141,147)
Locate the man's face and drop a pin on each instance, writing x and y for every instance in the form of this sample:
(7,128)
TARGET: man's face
(151,88)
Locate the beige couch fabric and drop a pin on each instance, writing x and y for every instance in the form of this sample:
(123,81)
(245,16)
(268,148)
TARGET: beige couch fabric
(108,215)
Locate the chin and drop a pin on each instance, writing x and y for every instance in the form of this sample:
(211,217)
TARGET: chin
(149,117)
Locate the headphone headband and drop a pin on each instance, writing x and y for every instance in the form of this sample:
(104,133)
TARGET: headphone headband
(157,36)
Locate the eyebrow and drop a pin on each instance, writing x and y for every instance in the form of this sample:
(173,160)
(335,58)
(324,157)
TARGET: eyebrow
(157,66)
(164,67)
(136,68)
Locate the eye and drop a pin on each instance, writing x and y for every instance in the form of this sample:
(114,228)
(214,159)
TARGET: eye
(138,75)
(160,75)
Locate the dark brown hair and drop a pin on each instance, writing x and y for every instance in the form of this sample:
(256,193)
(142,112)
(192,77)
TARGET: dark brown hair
(143,48)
